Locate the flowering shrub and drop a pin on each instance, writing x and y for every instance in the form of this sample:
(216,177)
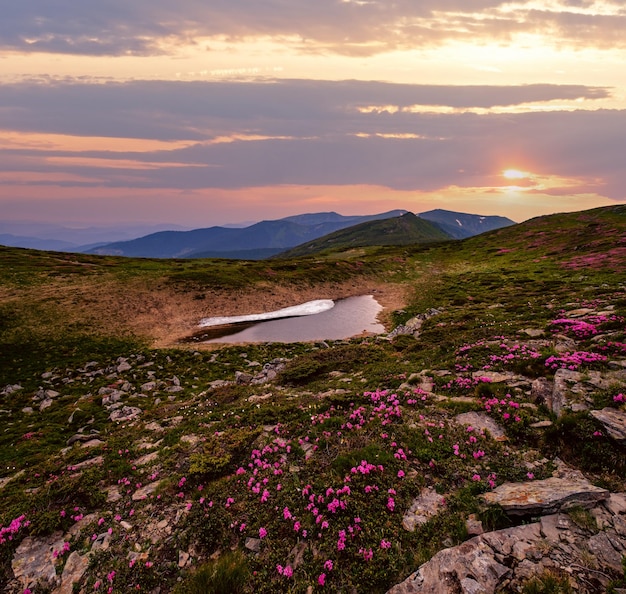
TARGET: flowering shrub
(8,532)
(574,360)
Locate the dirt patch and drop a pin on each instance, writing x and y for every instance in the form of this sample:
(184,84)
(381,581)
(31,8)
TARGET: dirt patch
(164,314)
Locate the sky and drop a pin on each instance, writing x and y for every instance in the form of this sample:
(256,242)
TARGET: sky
(201,113)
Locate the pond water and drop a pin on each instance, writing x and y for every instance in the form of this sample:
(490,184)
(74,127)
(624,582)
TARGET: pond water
(348,317)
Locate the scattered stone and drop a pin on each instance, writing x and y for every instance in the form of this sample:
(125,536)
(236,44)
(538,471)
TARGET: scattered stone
(86,463)
(541,390)
(183,558)
(497,377)
(147,459)
(74,569)
(253,544)
(541,424)
(533,332)
(144,492)
(126,413)
(148,386)
(126,525)
(474,526)
(7,479)
(414,325)
(92,443)
(154,426)
(483,422)
(544,496)
(422,509)
(614,422)
(124,366)
(191,439)
(47,403)
(112,397)
(102,542)
(113,494)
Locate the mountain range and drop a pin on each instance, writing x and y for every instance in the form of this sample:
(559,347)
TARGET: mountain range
(268,238)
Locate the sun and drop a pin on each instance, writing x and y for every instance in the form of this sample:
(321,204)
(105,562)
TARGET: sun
(514,174)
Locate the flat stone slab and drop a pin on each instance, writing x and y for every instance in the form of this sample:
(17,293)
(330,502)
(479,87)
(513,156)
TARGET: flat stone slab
(545,497)
(614,422)
(482,422)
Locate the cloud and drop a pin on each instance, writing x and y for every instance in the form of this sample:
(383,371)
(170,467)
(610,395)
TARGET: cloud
(154,27)
(296,132)
(203,110)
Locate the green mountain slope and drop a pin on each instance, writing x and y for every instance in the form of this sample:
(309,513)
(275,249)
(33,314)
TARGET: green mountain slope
(403,230)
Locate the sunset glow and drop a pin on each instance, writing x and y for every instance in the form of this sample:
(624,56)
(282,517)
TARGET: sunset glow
(356,107)
(514,174)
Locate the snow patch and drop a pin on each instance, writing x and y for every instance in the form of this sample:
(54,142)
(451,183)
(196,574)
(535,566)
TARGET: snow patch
(304,309)
(459,222)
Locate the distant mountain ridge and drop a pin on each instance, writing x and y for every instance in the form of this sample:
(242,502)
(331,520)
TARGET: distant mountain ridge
(277,235)
(256,241)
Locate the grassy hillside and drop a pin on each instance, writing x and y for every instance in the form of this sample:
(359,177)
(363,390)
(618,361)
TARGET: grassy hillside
(205,481)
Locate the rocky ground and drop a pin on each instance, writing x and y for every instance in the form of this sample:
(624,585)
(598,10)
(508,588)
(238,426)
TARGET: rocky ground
(503,467)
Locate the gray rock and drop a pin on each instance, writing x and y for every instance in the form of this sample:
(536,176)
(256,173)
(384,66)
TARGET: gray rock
(243,378)
(614,422)
(146,459)
(566,387)
(497,377)
(102,542)
(545,496)
(86,464)
(9,389)
(443,574)
(92,443)
(541,424)
(616,504)
(253,544)
(483,422)
(144,492)
(47,403)
(533,332)
(33,560)
(541,390)
(125,413)
(183,558)
(422,509)
(124,366)
(74,569)
(601,547)
(7,479)
(112,397)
